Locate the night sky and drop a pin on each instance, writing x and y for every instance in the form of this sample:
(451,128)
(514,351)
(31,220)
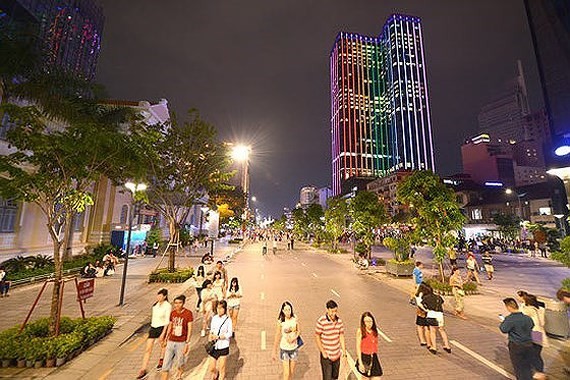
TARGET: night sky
(259,71)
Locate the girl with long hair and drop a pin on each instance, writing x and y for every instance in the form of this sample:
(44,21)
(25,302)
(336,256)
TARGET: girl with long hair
(221,331)
(209,298)
(219,285)
(234,296)
(531,308)
(199,278)
(422,327)
(367,364)
(286,338)
(159,320)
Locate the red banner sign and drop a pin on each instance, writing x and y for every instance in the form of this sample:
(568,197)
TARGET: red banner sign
(85,289)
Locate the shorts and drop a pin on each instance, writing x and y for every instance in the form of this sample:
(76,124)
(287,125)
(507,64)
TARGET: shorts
(288,354)
(489,268)
(234,307)
(216,354)
(371,364)
(173,356)
(154,332)
(421,321)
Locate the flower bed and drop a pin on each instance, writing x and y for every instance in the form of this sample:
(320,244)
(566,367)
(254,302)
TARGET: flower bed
(163,275)
(33,347)
(445,289)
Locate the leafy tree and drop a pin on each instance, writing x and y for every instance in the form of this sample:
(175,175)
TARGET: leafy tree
(280,224)
(509,225)
(367,213)
(153,236)
(315,219)
(300,222)
(188,162)
(230,201)
(335,219)
(436,215)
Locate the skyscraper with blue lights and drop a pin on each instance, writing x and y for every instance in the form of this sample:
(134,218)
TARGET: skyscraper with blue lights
(380,114)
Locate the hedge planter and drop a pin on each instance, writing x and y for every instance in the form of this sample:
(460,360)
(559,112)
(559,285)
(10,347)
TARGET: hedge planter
(39,364)
(21,363)
(164,276)
(399,269)
(60,361)
(50,363)
(6,363)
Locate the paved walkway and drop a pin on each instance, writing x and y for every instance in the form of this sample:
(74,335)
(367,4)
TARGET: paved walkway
(135,313)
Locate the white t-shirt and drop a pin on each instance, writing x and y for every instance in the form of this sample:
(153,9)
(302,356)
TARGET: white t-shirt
(226,330)
(234,301)
(160,314)
(288,331)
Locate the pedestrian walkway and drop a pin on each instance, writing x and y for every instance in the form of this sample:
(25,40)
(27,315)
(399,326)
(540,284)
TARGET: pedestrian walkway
(139,296)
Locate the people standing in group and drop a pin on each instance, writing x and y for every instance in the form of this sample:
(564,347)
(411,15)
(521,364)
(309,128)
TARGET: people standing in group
(160,318)
(233,298)
(329,336)
(472,268)
(418,274)
(532,309)
(367,363)
(422,327)
(519,329)
(209,299)
(286,338)
(221,331)
(199,278)
(178,334)
(433,303)
(4,283)
(456,283)
(488,264)
(219,285)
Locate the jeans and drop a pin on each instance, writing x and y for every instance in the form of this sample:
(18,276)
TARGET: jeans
(537,363)
(173,356)
(329,368)
(522,357)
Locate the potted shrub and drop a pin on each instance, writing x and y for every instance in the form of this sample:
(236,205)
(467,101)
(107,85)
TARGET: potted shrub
(400,264)
(50,347)
(31,353)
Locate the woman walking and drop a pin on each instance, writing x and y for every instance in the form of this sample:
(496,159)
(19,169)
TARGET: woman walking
(199,278)
(286,338)
(472,268)
(422,326)
(159,320)
(220,332)
(234,301)
(434,305)
(209,298)
(456,283)
(367,364)
(532,309)
(219,285)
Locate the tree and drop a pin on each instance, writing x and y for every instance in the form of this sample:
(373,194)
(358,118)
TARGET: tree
(509,225)
(300,222)
(436,215)
(230,201)
(315,221)
(54,167)
(188,162)
(335,219)
(367,213)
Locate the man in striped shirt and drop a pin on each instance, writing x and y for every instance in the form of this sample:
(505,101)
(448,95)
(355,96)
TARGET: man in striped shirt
(329,335)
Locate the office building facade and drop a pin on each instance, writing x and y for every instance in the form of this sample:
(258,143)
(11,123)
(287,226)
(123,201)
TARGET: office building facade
(380,113)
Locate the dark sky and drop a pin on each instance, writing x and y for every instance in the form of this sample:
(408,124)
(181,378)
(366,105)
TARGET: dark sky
(258,70)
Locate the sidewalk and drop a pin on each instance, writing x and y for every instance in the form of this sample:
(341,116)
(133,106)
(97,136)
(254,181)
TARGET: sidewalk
(135,313)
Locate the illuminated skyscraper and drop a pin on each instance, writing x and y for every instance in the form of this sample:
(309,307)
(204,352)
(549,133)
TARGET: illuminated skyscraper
(380,115)
(70,30)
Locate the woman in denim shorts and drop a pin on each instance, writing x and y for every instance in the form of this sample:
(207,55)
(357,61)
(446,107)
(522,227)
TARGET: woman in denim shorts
(234,295)
(286,336)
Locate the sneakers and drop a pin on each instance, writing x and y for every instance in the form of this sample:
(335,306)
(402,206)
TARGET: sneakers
(203,333)
(142,374)
(159,365)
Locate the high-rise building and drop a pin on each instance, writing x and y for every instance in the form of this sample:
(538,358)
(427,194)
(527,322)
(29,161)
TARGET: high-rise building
(380,113)
(69,30)
(504,117)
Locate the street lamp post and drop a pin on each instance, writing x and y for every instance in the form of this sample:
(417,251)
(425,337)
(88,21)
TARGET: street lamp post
(241,153)
(519,196)
(133,187)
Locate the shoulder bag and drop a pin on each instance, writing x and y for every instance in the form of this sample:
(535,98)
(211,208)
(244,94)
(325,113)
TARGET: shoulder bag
(210,346)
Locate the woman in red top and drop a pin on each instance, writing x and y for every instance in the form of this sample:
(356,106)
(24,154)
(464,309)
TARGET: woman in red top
(367,364)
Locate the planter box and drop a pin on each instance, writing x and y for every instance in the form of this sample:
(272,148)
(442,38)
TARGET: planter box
(6,363)
(39,364)
(60,361)
(399,269)
(50,363)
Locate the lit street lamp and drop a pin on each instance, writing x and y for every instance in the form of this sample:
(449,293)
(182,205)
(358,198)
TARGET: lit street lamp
(519,196)
(241,153)
(134,188)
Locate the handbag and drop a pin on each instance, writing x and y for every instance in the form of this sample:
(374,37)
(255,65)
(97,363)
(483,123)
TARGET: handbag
(210,346)
(536,337)
(300,342)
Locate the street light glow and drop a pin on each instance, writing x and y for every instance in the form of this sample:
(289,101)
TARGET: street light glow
(241,152)
(509,191)
(253,199)
(134,187)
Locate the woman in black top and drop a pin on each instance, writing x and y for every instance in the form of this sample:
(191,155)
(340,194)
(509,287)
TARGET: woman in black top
(434,305)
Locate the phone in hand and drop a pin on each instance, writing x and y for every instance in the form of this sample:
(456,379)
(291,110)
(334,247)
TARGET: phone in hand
(501,317)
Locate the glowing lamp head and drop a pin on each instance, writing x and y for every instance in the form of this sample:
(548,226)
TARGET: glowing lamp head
(241,152)
(134,187)
(509,191)
(562,150)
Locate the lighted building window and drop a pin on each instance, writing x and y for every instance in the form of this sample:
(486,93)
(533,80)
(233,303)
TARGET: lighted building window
(544,211)
(8,211)
(476,214)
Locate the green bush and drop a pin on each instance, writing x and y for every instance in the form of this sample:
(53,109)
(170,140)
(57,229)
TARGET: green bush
(563,257)
(163,275)
(566,283)
(34,344)
(437,285)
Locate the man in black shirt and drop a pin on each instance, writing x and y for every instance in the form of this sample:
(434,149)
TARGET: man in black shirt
(519,327)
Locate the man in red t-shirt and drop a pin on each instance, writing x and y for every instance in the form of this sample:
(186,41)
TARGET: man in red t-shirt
(178,334)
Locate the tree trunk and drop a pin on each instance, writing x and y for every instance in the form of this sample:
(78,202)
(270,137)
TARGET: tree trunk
(172,244)
(54,315)
(442,275)
(68,236)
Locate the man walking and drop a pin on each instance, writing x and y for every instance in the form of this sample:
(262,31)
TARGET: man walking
(488,264)
(178,334)
(418,274)
(329,335)
(518,326)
